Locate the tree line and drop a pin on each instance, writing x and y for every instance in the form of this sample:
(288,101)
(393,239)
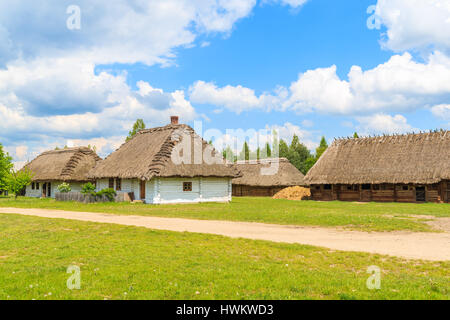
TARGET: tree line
(296,152)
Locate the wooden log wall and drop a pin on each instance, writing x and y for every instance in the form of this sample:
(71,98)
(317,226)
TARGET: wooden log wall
(251,191)
(437,193)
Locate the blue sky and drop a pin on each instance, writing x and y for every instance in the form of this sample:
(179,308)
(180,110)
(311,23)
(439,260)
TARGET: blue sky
(310,67)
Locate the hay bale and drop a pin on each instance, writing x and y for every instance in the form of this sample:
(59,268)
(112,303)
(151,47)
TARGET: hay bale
(294,193)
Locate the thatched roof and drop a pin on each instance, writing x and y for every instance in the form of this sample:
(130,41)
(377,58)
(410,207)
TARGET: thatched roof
(149,154)
(286,176)
(70,164)
(413,158)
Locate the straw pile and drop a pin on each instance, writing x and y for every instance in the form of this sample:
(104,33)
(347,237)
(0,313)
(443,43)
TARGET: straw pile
(294,193)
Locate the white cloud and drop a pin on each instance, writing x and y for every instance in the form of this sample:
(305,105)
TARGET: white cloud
(400,84)
(118,31)
(21,152)
(384,123)
(441,111)
(415,24)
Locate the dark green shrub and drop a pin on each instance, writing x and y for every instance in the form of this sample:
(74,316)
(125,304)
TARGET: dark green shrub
(108,193)
(88,188)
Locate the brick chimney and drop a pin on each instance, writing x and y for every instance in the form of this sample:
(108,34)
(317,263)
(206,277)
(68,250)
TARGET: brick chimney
(174,120)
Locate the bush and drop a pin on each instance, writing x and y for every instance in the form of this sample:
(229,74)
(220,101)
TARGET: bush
(88,188)
(64,187)
(108,192)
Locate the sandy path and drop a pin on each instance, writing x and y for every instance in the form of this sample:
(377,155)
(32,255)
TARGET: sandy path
(426,246)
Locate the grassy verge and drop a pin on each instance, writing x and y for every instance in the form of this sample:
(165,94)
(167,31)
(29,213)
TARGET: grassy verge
(119,262)
(356,216)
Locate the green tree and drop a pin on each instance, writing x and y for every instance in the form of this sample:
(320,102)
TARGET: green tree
(245,153)
(283,149)
(18,180)
(137,126)
(311,161)
(228,154)
(355,135)
(321,148)
(266,152)
(6,166)
(298,153)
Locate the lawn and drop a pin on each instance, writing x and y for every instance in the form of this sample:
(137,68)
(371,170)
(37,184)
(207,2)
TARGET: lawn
(120,262)
(356,216)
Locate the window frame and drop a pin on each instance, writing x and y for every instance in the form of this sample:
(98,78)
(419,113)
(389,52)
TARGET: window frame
(187,186)
(118,184)
(111,183)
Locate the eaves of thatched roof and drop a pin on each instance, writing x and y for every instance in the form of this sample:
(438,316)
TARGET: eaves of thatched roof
(149,154)
(422,158)
(256,173)
(70,164)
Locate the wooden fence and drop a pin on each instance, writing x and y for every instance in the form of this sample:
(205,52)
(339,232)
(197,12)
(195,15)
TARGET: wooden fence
(84,198)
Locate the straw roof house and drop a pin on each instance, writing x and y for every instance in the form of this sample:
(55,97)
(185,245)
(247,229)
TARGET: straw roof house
(255,182)
(390,163)
(53,167)
(167,165)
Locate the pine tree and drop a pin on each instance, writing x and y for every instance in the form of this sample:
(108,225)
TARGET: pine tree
(245,153)
(321,148)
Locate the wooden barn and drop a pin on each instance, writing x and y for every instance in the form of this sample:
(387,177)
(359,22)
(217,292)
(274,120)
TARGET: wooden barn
(51,168)
(255,182)
(146,168)
(398,168)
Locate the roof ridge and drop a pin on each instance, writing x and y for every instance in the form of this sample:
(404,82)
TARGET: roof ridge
(441,132)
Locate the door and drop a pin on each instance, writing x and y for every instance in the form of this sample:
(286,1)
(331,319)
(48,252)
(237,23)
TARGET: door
(44,190)
(142,190)
(420,194)
(49,189)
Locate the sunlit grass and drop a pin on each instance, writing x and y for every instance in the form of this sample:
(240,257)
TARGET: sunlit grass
(120,262)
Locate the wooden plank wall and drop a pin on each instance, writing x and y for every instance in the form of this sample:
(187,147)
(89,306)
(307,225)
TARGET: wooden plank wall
(251,191)
(384,193)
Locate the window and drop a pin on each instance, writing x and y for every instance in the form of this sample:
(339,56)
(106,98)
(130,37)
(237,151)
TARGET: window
(37,185)
(32,186)
(111,183)
(376,187)
(118,184)
(317,187)
(187,186)
(365,186)
(405,188)
(327,187)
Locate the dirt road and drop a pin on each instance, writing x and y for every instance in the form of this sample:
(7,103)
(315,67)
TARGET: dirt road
(426,246)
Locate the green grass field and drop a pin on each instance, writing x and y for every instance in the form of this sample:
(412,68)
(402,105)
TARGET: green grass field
(119,262)
(356,216)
